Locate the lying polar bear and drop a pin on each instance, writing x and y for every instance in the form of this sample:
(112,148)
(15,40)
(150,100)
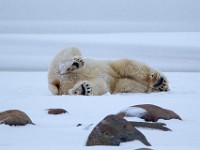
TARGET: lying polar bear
(71,74)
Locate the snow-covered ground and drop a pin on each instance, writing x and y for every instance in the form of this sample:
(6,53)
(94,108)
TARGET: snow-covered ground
(163,34)
(24,60)
(166,51)
(23,77)
(28,92)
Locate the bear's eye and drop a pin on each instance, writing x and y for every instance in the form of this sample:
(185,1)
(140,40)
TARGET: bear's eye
(152,75)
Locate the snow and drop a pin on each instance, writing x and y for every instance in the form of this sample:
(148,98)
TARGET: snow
(28,92)
(133,111)
(163,34)
(34,52)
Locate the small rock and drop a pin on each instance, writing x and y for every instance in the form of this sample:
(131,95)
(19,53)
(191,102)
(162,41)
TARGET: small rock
(78,125)
(113,130)
(149,112)
(14,117)
(157,126)
(56,111)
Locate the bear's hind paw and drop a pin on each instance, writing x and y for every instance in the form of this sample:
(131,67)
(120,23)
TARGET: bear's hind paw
(161,85)
(82,89)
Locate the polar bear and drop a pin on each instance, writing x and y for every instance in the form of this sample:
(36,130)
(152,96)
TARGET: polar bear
(71,74)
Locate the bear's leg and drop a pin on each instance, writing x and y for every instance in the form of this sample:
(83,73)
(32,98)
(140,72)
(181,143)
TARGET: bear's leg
(71,65)
(141,73)
(58,67)
(126,85)
(89,88)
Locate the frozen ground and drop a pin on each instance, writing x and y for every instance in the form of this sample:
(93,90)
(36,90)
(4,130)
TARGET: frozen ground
(28,92)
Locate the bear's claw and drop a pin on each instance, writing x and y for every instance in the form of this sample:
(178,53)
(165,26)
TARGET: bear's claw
(161,85)
(69,66)
(77,63)
(82,89)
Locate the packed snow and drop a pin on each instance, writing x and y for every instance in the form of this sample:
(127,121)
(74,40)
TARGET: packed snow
(163,34)
(27,91)
(133,111)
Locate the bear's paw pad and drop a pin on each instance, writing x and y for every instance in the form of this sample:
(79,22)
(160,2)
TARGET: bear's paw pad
(77,62)
(161,84)
(83,89)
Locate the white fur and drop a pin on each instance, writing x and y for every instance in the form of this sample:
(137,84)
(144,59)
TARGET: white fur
(119,76)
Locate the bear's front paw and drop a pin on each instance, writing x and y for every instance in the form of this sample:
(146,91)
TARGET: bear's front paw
(77,62)
(71,65)
(82,89)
